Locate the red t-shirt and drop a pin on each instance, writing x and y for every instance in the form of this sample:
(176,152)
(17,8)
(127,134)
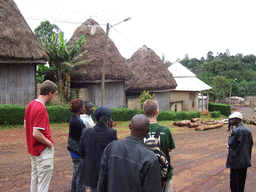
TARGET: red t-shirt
(36,117)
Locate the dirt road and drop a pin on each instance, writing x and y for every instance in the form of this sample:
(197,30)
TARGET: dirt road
(199,161)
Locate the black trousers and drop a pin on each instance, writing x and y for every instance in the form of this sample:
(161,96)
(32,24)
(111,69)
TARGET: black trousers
(237,179)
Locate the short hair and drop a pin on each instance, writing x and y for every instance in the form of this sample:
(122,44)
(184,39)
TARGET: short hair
(75,105)
(47,87)
(86,103)
(150,107)
(103,114)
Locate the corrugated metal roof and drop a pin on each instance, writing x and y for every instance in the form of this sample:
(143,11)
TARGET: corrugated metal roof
(178,70)
(186,80)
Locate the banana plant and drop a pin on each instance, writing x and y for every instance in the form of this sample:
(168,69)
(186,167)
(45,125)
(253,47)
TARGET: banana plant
(64,58)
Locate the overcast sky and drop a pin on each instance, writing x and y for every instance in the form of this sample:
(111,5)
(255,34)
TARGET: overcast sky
(170,27)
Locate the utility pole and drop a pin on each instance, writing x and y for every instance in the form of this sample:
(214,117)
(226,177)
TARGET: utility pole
(103,67)
(230,90)
(104,61)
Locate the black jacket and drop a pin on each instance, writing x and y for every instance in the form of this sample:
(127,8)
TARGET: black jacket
(75,131)
(240,144)
(129,165)
(91,150)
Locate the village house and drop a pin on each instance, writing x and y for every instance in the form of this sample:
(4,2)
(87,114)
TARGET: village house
(150,74)
(189,95)
(88,77)
(20,52)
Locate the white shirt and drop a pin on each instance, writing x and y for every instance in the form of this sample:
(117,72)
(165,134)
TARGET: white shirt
(87,120)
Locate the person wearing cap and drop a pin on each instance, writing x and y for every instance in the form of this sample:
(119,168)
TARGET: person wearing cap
(240,144)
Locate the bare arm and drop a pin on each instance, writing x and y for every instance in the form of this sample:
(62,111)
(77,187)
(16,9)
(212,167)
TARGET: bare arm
(37,134)
(24,124)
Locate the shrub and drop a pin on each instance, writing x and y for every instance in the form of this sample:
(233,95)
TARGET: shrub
(124,114)
(215,114)
(58,114)
(223,108)
(12,114)
(177,116)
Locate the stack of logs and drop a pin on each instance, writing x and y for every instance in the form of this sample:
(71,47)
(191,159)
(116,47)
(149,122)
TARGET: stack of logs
(199,124)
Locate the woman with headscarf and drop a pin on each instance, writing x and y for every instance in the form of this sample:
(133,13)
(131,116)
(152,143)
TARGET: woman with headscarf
(76,127)
(92,143)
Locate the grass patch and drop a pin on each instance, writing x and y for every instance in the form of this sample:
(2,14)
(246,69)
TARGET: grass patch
(10,127)
(208,117)
(59,126)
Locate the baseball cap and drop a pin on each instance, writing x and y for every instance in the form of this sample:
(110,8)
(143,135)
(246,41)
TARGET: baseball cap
(236,115)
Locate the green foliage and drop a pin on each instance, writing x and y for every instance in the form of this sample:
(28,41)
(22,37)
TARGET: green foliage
(221,87)
(44,72)
(124,114)
(215,114)
(58,114)
(145,96)
(46,29)
(12,114)
(238,66)
(63,58)
(223,108)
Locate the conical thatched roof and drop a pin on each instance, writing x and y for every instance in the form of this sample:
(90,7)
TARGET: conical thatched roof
(17,41)
(116,67)
(149,71)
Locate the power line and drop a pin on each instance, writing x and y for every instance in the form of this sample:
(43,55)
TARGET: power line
(78,22)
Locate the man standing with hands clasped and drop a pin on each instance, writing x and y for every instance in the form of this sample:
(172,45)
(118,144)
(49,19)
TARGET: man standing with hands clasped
(39,141)
(240,144)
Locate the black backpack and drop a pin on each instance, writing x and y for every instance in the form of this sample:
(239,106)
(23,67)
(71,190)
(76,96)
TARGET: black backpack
(152,143)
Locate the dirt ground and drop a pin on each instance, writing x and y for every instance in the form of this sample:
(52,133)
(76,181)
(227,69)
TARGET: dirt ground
(198,160)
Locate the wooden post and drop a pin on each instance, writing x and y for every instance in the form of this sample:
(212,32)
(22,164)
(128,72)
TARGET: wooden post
(103,67)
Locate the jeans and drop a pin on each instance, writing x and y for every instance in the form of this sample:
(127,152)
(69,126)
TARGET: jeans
(75,184)
(41,170)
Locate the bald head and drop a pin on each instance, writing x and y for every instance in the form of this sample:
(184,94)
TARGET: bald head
(139,126)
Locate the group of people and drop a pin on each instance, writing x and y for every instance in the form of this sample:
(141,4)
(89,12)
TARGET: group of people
(104,163)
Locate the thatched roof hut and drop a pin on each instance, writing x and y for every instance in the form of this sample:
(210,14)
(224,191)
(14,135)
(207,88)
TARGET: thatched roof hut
(150,74)
(20,52)
(18,42)
(116,68)
(89,75)
(149,71)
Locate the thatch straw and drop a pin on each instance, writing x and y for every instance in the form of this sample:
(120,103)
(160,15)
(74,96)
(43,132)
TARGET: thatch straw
(18,43)
(116,67)
(149,71)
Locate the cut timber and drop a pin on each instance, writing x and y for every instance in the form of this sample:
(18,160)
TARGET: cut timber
(182,123)
(209,126)
(195,124)
(196,119)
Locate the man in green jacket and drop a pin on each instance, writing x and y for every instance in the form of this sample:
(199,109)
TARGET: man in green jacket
(166,140)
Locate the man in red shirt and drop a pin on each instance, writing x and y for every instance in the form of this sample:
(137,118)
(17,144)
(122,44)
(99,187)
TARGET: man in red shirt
(39,141)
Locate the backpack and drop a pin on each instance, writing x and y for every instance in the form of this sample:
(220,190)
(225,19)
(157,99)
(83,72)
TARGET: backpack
(152,143)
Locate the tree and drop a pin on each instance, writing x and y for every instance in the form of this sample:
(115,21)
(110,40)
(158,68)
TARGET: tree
(167,63)
(220,88)
(46,29)
(64,59)
(210,56)
(145,96)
